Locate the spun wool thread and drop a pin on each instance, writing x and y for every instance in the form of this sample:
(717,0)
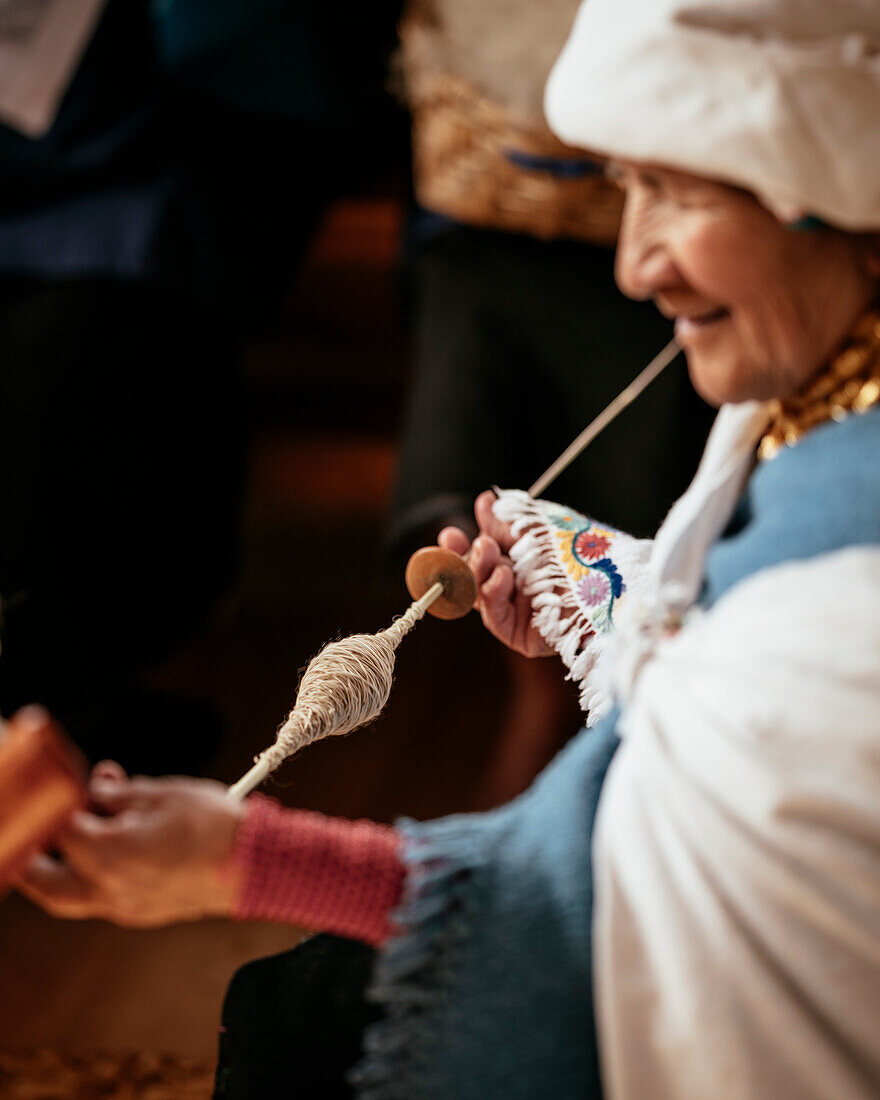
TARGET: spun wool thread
(345,686)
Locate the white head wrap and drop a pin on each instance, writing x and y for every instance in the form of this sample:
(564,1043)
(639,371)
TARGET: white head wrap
(781,97)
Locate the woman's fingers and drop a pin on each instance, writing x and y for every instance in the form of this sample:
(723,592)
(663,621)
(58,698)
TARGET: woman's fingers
(90,842)
(58,888)
(489,523)
(484,559)
(154,859)
(495,601)
(485,552)
(108,769)
(506,612)
(112,796)
(453,538)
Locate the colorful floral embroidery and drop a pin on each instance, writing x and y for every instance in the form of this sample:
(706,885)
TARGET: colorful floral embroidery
(610,570)
(575,568)
(590,544)
(572,568)
(568,521)
(595,588)
(576,521)
(583,551)
(598,590)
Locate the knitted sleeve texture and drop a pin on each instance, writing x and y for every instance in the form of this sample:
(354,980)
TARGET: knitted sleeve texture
(323,873)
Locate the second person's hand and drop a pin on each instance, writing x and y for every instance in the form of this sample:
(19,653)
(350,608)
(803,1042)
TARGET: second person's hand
(148,852)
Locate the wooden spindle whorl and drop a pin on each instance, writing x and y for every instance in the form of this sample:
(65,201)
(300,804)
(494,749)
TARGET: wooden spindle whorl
(433,564)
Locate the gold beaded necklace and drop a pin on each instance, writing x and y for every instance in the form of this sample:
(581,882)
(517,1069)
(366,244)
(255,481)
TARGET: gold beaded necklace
(850,383)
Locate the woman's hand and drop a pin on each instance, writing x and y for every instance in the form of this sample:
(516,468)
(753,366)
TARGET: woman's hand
(506,612)
(148,852)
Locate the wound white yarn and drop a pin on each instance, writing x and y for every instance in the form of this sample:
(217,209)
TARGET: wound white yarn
(345,686)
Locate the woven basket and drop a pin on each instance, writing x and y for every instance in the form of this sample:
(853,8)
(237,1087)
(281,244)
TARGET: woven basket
(477,164)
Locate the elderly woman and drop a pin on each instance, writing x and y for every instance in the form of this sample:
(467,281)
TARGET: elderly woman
(734,949)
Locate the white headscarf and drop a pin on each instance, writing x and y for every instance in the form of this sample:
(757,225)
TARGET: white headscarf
(781,97)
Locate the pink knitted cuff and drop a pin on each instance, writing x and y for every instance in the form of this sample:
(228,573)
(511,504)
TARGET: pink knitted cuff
(324,873)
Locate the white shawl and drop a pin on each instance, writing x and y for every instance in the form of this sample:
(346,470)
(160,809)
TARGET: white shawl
(737,852)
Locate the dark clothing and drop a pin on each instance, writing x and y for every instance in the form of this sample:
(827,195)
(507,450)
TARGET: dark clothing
(293,1024)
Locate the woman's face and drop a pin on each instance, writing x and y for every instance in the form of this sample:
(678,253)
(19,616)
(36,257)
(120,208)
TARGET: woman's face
(758,307)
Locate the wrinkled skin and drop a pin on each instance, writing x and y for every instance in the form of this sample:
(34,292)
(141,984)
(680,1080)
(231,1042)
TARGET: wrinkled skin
(759,307)
(147,852)
(505,611)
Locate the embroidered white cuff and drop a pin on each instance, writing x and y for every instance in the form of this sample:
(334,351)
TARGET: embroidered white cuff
(576,571)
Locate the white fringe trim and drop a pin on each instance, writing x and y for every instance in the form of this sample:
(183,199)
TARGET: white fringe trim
(556,613)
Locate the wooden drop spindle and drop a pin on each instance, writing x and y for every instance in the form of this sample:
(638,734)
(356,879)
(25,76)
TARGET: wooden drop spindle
(435,564)
(441,584)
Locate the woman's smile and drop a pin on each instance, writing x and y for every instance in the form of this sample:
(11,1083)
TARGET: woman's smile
(758,307)
(693,326)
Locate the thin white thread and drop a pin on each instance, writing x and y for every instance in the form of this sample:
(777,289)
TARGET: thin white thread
(623,400)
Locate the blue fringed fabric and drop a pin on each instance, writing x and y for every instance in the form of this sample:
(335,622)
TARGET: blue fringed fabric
(488,992)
